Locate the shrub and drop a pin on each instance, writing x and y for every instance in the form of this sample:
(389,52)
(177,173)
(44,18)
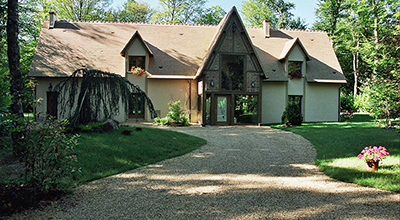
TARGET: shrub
(292,115)
(176,114)
(347,103)
(175,117)
(49,156)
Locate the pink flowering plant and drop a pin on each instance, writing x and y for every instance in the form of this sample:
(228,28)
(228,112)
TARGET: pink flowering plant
(373,153)
(347,115)
(138,71)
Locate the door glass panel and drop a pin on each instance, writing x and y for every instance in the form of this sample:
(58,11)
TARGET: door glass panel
(222,109)
(245,109)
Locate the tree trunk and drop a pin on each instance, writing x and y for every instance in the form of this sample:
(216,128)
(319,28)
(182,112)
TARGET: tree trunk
(17,82)
(355,66)
(375,12)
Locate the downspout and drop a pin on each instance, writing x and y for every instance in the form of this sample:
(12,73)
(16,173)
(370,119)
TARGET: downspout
(190,100)
(340,107)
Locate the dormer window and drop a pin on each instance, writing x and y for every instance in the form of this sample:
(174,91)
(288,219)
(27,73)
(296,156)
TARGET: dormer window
(136,61)
(295,69)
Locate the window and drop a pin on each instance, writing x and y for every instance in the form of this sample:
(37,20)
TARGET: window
(296,99)
(246,109)
(232,68)
(136,61)
(294,69)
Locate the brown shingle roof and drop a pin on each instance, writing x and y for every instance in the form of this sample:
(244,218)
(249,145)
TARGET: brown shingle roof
(178,50)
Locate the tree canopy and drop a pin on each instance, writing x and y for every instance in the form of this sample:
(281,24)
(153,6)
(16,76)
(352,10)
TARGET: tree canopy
(277,11)
(365,35)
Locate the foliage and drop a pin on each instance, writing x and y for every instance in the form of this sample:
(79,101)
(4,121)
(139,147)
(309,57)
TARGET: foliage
(365,35)
(180,11)
(347,115)
(337,144)
(138,71)
(211,15)
(347,103)
(383,99)
(176,116)
(278,12)
(105,154)
(328,14)
(292,115)
(161,121)
(49,157)
(90,95)
(132,11)
(91,125)
(373,153)
(81,10)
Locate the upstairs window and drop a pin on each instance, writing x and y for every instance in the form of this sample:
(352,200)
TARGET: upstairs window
(136,61)
(232,70)
(295,69)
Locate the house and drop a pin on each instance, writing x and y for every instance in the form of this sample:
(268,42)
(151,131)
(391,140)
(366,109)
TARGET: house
(224,75)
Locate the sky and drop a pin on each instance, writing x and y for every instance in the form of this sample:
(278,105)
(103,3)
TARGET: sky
(305,9)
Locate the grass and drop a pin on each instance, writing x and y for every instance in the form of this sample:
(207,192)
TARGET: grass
(339,143)
(104,154)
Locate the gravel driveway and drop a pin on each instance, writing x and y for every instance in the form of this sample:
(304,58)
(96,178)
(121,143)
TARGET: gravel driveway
(244,172)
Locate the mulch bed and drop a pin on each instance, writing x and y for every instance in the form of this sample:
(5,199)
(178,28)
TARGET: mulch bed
(18,197)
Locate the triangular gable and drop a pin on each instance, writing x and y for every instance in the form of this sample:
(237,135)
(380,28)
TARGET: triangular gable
(289,46)
(136,34)
(222,26)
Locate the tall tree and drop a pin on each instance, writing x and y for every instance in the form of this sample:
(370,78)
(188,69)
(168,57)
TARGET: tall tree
(134,11)
(80,9)
(180,11)
(16,79)
(328,14)
(277,11)
(212,15)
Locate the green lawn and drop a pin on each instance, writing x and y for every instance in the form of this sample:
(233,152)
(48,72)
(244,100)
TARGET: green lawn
(101,155)
(339,143)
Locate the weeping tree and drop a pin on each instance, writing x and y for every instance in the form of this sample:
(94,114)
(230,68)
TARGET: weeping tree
(89,95)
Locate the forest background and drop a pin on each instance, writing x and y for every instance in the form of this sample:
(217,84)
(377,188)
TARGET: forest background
(364,34)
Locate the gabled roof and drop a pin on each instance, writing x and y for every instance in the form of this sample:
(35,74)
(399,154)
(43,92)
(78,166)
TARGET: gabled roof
(289,46)
(134,36)
(222,26)
(178,50)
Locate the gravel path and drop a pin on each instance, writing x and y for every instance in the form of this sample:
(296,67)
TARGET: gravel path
(244,172)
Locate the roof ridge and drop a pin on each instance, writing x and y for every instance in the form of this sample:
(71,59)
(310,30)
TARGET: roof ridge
(287,29)
(144,23)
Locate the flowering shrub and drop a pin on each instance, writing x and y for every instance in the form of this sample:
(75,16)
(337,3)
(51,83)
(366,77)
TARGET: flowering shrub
(373,153)
(295,74)
(138,71)
(49,157)
(347,115)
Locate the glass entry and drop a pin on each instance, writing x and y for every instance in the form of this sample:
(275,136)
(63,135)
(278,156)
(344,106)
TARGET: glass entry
(222,110)
(137,109)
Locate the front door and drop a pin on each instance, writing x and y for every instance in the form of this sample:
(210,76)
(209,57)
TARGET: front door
(222,109)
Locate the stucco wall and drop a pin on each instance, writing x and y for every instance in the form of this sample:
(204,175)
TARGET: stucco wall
(41,89)
(296,86)
(321,102)
(273,102)
(164,91)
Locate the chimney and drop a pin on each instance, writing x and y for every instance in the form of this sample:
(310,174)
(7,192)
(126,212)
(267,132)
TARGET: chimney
(52,19)
(266,28)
